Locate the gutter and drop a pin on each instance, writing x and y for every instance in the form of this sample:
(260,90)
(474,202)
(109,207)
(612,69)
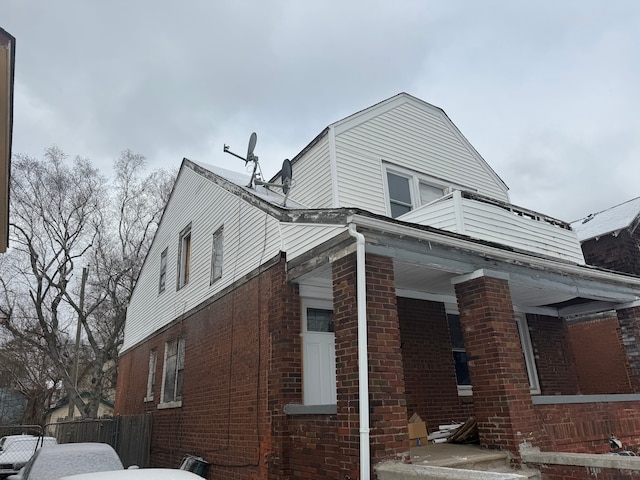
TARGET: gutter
(363,363)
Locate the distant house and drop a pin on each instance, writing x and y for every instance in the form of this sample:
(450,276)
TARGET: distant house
(294,339)
(60,411)
(610,239)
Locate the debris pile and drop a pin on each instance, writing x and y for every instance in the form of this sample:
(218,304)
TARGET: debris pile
(466,432)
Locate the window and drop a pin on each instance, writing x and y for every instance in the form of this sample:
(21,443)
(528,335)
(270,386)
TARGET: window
(399,194)
(216,257)
(173,371)
(460,354)
(163,270)
(184,256)
(151,379)
(319,354)
(408,190)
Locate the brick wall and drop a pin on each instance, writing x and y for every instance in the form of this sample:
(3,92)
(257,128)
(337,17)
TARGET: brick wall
(555,364)
(629,320)
(224,415)
(601,363)
(619,252)
(429,370)
(568,472)
(586,427)
(388,412)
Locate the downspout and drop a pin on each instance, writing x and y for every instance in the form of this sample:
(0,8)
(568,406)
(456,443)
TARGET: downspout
(363,363)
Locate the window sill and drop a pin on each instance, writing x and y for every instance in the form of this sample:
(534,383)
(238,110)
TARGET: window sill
(296,409)
(465,391)
(148,399)
(176,404)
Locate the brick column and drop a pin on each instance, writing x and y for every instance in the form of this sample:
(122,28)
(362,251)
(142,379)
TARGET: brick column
(387,406)
(501,392)
(629,319)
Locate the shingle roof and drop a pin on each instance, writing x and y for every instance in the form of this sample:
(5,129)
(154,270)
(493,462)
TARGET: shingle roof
(614,219)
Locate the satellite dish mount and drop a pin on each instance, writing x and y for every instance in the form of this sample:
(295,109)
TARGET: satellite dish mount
(286,172)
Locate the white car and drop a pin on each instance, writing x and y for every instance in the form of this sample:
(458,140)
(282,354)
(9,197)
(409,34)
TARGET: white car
(56,461)
(141,474)
(16,450)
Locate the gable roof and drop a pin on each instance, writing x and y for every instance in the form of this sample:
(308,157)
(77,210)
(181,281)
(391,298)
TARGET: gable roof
(381,107)
(612,220)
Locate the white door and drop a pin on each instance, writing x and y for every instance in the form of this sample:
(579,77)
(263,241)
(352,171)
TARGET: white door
(319,354)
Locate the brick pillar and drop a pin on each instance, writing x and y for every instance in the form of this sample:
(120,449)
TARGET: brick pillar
(629,319)
(501,392)
(387,406)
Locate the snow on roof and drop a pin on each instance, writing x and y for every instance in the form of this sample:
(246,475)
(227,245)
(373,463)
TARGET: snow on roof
(271,195)
(607,221)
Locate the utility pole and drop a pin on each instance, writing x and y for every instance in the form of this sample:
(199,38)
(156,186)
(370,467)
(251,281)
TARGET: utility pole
(85,273)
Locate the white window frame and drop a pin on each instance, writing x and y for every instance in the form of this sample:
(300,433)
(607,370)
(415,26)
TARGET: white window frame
(217,258)
(415,179)
(327,378)
(162,285)
(176,401)
(527,350)
(151,378)
(185,247)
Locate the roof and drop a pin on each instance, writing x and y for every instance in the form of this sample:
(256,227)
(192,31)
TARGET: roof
(272,195)
(612,220)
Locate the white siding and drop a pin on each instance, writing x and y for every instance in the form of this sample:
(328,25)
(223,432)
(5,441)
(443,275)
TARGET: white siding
(312,177)
(251,236)
(299,238)
(492,223)
(411,135)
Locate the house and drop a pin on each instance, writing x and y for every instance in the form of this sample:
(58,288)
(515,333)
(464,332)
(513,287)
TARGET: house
(292,337)
(610,239)
(7,69)
(60,411)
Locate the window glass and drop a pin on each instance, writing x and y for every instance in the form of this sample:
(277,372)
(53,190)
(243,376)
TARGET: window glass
(184,257)
(163,270)
(173,370)
(319,320)
(459,351)
(399,194)
(216,256)
(429,193)
(151,379)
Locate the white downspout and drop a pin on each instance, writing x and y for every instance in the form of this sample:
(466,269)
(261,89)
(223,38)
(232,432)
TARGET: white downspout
(363,363)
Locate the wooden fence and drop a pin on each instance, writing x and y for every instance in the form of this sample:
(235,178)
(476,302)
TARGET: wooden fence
(129,435)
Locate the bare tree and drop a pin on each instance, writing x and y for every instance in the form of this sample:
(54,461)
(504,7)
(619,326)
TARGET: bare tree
(66,219)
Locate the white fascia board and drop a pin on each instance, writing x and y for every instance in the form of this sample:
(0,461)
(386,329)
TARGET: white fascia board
(497,253)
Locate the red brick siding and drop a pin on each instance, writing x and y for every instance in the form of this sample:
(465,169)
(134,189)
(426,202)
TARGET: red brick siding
(586,427)
(567,472)
(498,374)
(601,362)
(556,368)
(315,450)
(224,416)
(429,370)
(619,253)
(388,413)
(629,320)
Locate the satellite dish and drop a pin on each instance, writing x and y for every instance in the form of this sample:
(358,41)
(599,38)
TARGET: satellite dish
(287,174)
(252,145)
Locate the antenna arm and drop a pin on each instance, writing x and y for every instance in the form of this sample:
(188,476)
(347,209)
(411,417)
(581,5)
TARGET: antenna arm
(226,150)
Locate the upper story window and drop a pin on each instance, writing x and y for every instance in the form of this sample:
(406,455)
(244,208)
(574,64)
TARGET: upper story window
(184,257)
(408,190)
(163,270)
(216,256)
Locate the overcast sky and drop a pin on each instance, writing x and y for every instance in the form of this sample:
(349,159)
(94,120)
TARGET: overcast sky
(547,91)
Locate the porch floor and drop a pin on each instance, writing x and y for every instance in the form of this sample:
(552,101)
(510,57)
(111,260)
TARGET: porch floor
(455,455)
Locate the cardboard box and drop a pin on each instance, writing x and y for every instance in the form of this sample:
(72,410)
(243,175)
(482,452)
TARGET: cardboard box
(417,431)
